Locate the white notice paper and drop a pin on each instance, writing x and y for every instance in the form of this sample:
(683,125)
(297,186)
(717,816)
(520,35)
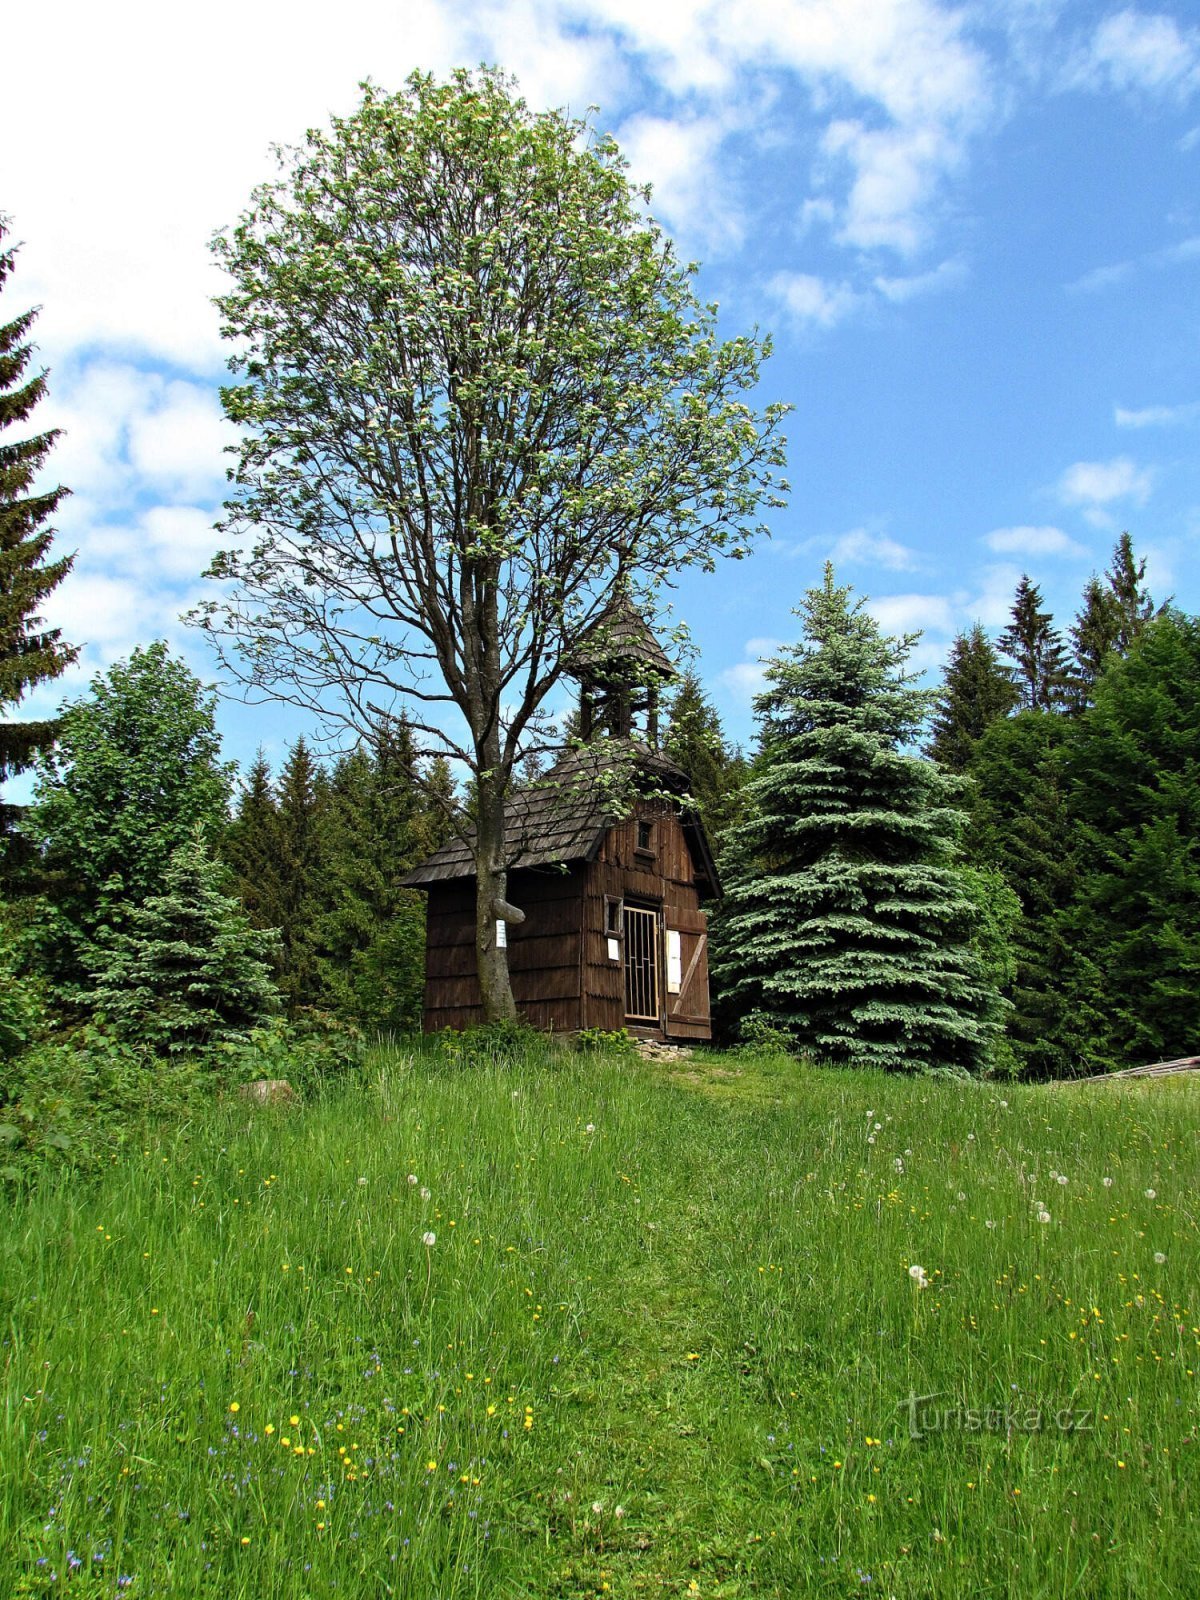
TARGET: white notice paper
(501,934)
(674,961)
(614,949)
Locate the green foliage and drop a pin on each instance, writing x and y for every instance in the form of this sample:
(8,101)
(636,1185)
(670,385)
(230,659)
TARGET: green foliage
(313,1051)
(1093,638)
(320,858)
(30,653)
(760,1035)
(135,772)
(1022,824)
(695,742)
(84,1102)
(845,920)
(381,818)
(997,919)
(976,691)
(189,970)
(491,1044)
(22,1011)
(250,847)
(1127,584)
(1133,768)
(605,1042)
(301,801)
(1112,616)
(1037,652)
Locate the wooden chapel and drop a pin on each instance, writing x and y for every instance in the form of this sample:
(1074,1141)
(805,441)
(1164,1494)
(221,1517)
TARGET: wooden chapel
(614,934)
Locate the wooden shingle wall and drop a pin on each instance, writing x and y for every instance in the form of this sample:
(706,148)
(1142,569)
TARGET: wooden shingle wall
(543,951)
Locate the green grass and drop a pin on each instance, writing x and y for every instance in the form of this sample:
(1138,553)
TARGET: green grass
(665,1357)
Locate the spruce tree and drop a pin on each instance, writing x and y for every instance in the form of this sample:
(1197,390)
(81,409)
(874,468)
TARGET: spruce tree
(976,691)
(371,935)
(845,920)
(189,971)
(1021,824)
(1111,619)
(250,847)
(1126,582)
(300,800)
(1094,636)
(1036,649)
(1134,791)
(696,743)
(30,653)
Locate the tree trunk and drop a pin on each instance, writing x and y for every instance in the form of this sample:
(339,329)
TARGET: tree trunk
(491,886)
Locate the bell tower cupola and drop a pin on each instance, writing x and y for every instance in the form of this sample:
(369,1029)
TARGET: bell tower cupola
(620,668)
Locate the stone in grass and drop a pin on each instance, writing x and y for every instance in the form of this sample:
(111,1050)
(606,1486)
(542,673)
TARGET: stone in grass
(268,1092)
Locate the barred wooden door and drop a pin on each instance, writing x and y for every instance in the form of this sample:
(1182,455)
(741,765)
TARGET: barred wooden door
(641,965)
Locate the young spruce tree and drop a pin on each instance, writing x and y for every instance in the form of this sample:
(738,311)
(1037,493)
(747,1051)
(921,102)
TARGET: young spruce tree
(845,920)
(189,971)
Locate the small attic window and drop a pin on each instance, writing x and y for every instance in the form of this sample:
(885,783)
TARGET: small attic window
(645,835)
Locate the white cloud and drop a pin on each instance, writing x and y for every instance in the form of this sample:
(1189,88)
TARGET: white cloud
(679,157)
(177,439)
(1099,483)
(747,678)
(105,615)
(1033,541)
(991,603)
(1156,416)
(180,540)
(944,276)
(128,431)
(1102,277)
(895,173)
(913,613)
(1136,51)
(810,300)
(862,547)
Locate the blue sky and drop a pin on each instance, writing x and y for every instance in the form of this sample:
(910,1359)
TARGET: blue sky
(973,230)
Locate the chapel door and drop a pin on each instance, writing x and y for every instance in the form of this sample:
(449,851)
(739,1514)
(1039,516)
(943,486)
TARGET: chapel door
(688,1015)
(641,966)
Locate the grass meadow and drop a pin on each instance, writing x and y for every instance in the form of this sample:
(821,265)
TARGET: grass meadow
(577,1326)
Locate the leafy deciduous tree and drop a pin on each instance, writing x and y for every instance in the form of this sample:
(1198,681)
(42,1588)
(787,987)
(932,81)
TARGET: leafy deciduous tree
(135,770)
(477,391)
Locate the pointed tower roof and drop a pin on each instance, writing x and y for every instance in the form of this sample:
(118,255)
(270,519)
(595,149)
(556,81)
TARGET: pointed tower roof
(620,639)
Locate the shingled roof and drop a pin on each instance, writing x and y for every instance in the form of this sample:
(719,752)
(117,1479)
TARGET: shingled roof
(619,638)
(565,815)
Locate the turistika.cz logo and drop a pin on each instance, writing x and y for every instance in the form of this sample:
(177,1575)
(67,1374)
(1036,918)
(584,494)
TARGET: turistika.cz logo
(931,1413)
